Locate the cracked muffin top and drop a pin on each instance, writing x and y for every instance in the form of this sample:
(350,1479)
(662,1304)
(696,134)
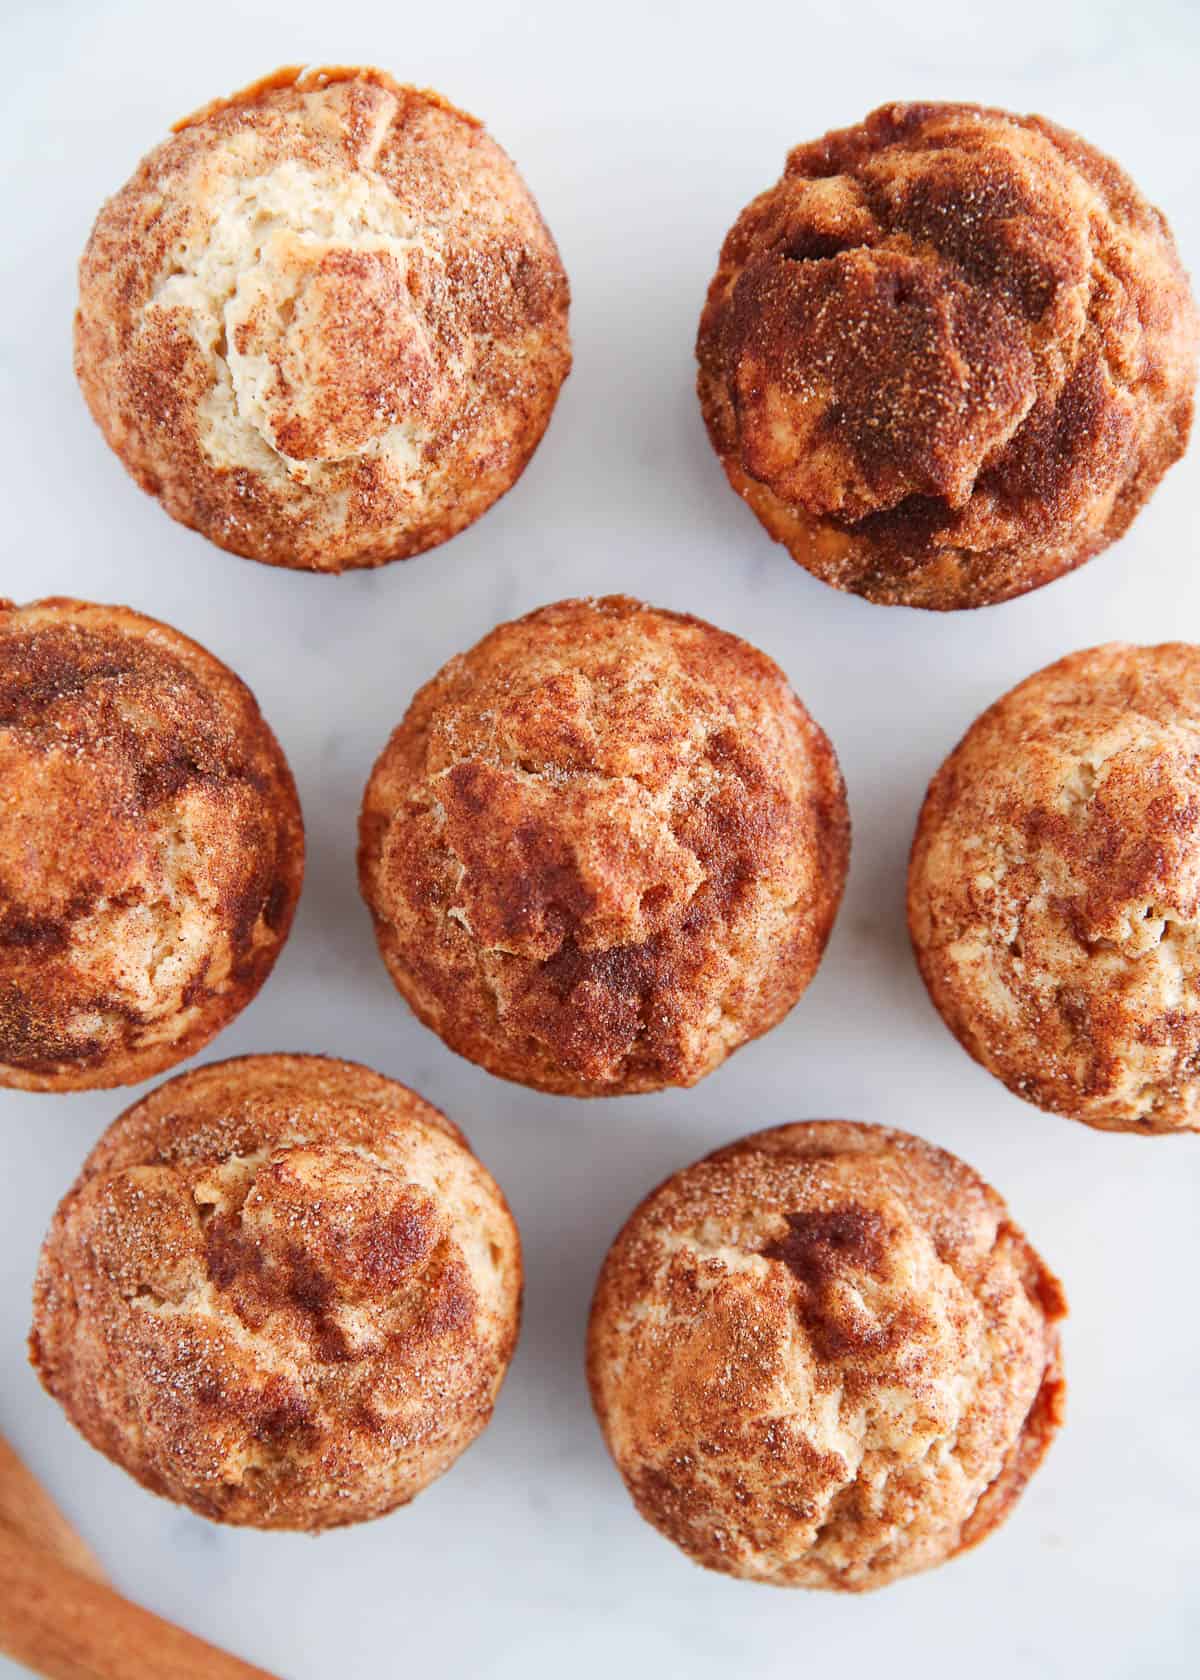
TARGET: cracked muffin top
(324,322)
(948,356)
(151,846)
(825,1357)
(282,1291)
(1054,888)
(604,848)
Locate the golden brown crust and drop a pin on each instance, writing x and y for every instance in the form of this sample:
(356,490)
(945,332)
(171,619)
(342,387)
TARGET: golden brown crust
(282,1291)
(151,846)
(324,322)
(310,79)
(825,1357)
(948,356)
(1054,888)
(604,848)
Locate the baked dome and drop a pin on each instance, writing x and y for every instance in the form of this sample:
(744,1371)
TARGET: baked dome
(948,356)
(324,322)
(825,1357)
(151,846)
(1054,888)
(282,1291)
(604,848)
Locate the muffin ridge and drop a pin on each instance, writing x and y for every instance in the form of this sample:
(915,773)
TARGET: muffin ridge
(282,1291)
(947,357)
(824,1356)
(567,847)
(151,845)
(324,322)
(1054,887)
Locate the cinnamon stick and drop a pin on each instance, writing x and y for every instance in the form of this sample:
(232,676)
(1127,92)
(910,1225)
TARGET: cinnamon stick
(64,1626)
(27,1509)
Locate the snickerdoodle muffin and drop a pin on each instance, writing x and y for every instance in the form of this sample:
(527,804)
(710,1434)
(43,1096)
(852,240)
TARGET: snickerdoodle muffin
(604,848)
(825,1357)
(324,322)
(151,847)
(948,356)
(1054,888)
(282,1291)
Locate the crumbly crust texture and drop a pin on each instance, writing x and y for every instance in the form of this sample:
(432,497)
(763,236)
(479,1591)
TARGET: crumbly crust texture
(1054,888)
(604,848)
(825,1357)
(324,322)
(282,1291)
(151,846)
(948,356)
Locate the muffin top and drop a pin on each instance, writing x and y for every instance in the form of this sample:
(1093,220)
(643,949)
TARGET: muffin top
(948,355)
(324,322)
(1054,890)
(604,848)
(282,1291)
(825,1357)
(151,846)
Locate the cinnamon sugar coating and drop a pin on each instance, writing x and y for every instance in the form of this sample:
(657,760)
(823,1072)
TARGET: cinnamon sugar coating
(1054,888)
(324,322)
(948,356)
(282,1291)
(825,1357)
(604,848)
(151,846)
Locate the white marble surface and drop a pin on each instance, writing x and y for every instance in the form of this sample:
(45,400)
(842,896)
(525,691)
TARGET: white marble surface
(642,129)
